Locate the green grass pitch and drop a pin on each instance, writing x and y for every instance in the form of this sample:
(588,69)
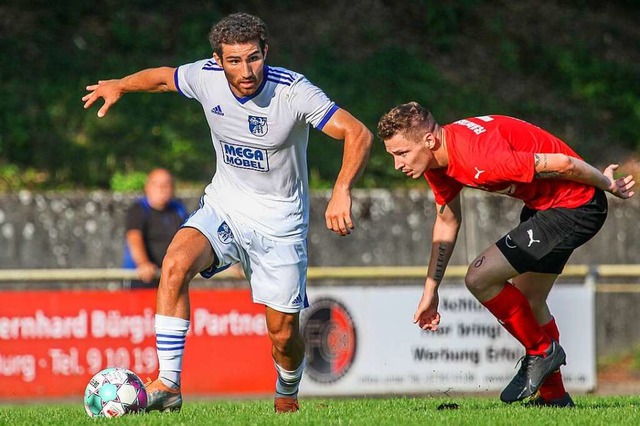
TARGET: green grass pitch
(472,410)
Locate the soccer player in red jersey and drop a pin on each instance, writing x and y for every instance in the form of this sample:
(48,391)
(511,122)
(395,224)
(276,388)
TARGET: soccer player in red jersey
(564,206)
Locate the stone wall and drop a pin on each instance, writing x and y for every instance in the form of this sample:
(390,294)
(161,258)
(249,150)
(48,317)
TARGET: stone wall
(86,230)
(83,230)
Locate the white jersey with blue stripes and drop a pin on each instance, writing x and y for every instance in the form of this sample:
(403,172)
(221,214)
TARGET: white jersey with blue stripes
(260,141)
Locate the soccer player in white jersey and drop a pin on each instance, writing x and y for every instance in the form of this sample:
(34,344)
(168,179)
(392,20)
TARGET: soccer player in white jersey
(255,210)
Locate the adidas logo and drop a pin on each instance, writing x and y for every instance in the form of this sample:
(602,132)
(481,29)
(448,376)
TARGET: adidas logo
(217,110)
(298,299)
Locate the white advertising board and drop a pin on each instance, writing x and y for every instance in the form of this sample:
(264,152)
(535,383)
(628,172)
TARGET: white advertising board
(361,340)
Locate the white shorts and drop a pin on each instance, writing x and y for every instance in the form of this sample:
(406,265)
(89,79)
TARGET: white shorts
(275,269)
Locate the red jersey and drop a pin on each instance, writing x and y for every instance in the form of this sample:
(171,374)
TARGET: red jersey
(495,153)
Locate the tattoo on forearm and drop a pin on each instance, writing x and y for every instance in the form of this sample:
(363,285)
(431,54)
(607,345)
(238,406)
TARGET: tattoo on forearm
(543,173)
(478,262)
(442,252)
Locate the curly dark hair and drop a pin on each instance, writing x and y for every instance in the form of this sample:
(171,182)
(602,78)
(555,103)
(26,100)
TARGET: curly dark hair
(410,118)
(238,28)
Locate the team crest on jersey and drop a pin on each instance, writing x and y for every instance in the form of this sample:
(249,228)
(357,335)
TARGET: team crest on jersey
(258,125)
(224,233)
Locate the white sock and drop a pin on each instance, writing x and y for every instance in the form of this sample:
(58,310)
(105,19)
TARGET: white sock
(288,381)
(171,333)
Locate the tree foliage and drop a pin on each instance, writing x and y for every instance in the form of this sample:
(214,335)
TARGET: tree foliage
(571,67)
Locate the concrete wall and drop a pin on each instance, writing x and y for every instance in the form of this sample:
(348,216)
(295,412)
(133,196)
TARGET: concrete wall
(395,229)
(84,230)
(392,228)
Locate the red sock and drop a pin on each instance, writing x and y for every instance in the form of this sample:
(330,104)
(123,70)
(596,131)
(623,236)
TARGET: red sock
(514,313)
(552,387)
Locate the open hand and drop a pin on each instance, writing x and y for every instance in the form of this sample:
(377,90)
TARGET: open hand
(620,187)
(108,90)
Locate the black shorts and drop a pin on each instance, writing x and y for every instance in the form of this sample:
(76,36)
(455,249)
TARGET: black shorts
(545,239)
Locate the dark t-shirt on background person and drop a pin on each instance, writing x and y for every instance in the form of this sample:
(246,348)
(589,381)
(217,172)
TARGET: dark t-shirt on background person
(157,227)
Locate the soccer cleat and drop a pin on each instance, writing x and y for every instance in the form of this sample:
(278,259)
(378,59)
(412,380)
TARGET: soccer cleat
(286,404)
(564,402)
(533,370)
(162,398)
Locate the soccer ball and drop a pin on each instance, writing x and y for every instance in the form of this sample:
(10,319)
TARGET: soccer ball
(114,392)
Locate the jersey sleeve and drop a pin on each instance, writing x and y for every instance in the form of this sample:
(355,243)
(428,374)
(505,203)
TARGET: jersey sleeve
(188,77)
(444,187)
(135,218)
(310,104)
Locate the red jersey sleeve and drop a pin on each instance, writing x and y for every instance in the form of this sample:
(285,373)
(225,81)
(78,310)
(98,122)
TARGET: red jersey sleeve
(444,187)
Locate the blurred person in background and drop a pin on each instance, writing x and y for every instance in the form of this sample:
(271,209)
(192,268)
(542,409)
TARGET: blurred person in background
(152,221)
(255,211)
(564,206)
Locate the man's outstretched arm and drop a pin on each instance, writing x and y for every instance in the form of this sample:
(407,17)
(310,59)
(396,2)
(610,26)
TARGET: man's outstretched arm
(561,166)
(148,80)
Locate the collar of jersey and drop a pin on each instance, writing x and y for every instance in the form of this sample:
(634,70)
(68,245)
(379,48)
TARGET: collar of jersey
(245,99)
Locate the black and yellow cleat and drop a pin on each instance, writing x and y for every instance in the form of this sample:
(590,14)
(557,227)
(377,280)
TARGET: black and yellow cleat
(533,370)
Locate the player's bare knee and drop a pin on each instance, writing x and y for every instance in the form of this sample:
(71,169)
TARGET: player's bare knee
(174,269)
(475,281)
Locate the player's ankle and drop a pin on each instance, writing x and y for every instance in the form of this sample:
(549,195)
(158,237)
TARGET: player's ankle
(284,395)
(171,384)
